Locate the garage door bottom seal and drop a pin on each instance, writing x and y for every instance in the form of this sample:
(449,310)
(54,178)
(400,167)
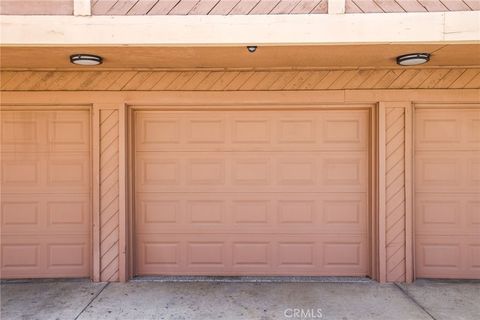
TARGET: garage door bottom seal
(254,279)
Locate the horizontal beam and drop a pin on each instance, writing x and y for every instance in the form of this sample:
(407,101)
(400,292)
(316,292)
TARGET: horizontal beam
(437,27)
(232,99)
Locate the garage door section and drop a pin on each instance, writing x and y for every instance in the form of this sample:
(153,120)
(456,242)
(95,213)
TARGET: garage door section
(251,192)
(45,207)
(447,193)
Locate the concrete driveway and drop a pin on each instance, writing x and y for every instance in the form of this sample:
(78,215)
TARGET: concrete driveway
(147,299)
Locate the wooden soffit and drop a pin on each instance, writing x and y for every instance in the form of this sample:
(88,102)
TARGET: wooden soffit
(330,56)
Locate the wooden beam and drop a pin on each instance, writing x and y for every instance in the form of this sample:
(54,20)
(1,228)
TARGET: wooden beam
(254,98)
(314,29)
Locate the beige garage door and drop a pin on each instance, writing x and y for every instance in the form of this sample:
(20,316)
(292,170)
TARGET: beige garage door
(45,207)
(251,192)
(447,196)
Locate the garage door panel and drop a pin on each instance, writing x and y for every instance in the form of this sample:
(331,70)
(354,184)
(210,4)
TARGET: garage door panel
(451,171)
(45,189)
(473,131)
(340,255)
(277,130)
(284,212)
(68,172)
(447,129)
(473,212)
(21,132)
(447,205)
(448,257)
(45,131)
(21,170)
(68,131)
(473,257)
(251,192)
(44,256)
(20,255)
(263,172)
(450,213)
(252,254)
(45,172)
(439,255)
(36,214)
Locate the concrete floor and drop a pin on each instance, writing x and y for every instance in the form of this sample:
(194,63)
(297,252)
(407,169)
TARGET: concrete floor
(236,300)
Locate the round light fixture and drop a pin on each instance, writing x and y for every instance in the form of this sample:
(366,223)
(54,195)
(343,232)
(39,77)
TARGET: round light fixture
(252,49)
(86,59)
(413,59)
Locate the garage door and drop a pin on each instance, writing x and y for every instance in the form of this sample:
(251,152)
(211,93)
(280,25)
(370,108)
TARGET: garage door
(45,207)
(447,193)
(251,192)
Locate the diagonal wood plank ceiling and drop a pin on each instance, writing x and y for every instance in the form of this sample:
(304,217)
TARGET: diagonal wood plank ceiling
(415,78)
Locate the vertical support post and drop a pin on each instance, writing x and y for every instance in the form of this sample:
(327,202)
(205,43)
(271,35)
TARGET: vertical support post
(373,190)
(395,220)
(130,155)
(409,235)
(109,192)
(122,181)
(382,270)
(336,6)
(96,193)
(82,8)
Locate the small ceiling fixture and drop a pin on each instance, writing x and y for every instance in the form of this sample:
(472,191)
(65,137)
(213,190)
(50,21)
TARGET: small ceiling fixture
(252,49)
(413,59)
(86,59)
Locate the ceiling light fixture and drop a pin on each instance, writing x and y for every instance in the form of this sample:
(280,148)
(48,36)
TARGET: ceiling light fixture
(252,49)
(413,59)
(86,59)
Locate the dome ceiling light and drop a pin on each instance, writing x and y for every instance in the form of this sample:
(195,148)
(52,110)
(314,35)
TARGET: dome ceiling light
(86,59)
(413,59)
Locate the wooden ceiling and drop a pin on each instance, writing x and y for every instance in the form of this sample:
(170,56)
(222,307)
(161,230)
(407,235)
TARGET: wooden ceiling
(127,57)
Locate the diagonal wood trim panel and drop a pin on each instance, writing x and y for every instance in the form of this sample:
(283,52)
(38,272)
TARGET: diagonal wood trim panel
(207,7)
(375,6)
(395,251)
(241,80)
(395,193)
(109,195)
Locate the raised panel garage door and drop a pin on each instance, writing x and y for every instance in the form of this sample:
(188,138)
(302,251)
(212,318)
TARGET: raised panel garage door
(251,192)
(447,195)
(45,194)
